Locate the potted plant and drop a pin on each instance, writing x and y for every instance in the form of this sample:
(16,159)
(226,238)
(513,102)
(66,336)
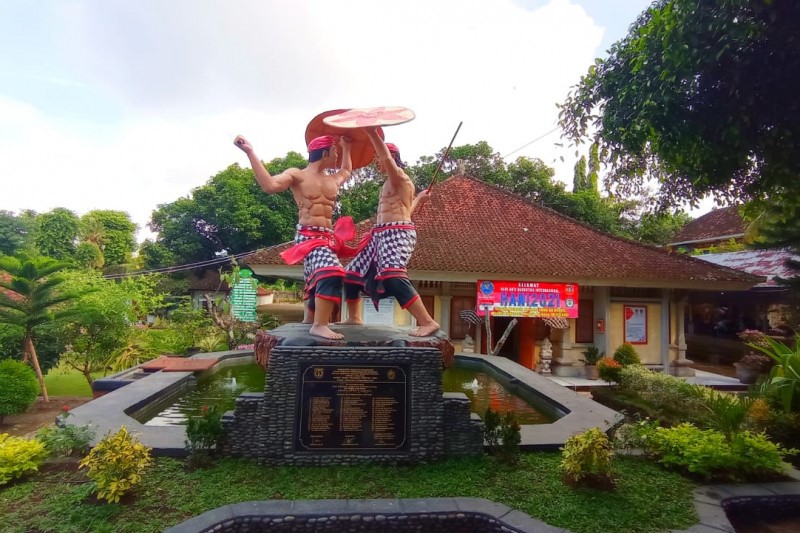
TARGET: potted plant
(752,365)
(590,358)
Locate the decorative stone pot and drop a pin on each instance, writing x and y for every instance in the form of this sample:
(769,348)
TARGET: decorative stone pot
(746,374)
(592,372)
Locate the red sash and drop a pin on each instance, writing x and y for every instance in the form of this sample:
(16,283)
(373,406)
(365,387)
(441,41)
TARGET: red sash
(344,230)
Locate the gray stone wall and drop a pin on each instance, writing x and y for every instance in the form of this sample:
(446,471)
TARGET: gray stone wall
(262,426)
(463,429)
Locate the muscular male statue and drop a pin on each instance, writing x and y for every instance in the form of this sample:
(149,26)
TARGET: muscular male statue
(316,245)
(380,268)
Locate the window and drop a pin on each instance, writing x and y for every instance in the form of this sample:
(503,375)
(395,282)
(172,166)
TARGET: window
(584,324)
(458,328)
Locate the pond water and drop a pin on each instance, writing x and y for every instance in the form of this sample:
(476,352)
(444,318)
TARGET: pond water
(223,387)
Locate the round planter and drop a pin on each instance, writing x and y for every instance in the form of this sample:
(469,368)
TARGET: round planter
(746,374)
(592,372)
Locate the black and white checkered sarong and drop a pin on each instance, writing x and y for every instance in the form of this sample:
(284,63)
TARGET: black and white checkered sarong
(389,250)
(321,261)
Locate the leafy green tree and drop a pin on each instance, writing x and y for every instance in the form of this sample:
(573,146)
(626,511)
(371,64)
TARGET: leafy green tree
(580,181)
(113,232)
(701,96)
(14,232)
(658,228)
(17,388)
(100,321)
(31,295)
(55,233)
(229,213)
(359,196)
(89,255)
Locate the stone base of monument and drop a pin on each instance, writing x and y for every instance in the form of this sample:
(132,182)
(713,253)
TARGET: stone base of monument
(379,401)
(372,336)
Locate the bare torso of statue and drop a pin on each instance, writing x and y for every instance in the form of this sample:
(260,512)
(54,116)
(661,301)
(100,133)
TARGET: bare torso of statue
(395,201)
(315,195)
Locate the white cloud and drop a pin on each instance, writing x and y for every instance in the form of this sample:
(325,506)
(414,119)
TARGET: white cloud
(189,76)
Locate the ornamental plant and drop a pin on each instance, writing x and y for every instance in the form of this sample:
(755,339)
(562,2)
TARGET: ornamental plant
(592,355)
(587,457)
(785,375)
(609,370)
(758,362)
(708,455)
(627,355)
(203,433)
(19,457)
(65,439)
(17,388)
(116,464)
(502,435)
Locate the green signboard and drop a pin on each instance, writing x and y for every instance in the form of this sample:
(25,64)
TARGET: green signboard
(243,297)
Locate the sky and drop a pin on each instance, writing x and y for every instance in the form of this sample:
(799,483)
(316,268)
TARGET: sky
(107,104)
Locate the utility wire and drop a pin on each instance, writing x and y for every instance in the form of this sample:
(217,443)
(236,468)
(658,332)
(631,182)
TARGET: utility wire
(181,268)
(539,138)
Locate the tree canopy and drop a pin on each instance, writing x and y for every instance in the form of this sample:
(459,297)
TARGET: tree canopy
(701,96)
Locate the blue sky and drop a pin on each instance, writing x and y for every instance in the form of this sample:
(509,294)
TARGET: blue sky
(112,105)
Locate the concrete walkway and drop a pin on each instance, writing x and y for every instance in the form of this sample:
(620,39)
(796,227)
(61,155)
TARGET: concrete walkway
(708,379)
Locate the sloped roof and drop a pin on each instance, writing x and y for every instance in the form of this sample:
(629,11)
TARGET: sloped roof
(767,263)
(469,226)
(206,280)
(725,222)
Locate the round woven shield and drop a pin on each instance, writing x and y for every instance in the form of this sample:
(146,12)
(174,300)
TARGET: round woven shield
(361,151)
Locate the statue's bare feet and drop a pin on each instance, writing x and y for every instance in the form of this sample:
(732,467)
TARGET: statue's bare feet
(352,321)
(307,321)
(325,331)
(425,330)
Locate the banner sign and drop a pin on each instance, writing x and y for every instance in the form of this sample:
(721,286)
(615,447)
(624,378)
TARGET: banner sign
(528,299)
(243,297)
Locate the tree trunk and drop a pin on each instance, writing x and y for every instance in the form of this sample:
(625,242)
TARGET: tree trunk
(30,352)
(503,339)
(488,327)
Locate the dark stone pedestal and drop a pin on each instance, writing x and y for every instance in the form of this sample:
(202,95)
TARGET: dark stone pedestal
(328,405)
(363,336)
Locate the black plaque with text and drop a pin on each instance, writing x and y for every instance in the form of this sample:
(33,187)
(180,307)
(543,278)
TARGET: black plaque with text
(352,407)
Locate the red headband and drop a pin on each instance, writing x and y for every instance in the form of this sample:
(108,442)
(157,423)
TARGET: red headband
(321,142)
(393,148)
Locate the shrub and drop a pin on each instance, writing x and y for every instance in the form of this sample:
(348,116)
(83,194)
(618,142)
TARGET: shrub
(116,464)
(502,435)
(627,355)
(203,433)
(669,397)
(18,387)
(609,370)
(65,439)
(587,456)
(708,455)
(726,413)
(19,457)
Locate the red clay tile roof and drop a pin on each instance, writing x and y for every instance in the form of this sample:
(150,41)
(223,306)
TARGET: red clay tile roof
(5,276)
(767,263)
(472,227)
(725,222)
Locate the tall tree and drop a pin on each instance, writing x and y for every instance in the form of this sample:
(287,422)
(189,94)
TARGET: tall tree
(113,232)
(701,96)
(31,295)
(55,233)
(14,232)
(229,213)
(580,181)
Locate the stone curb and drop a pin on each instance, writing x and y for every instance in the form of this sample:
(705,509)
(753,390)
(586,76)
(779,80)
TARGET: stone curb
(360,513)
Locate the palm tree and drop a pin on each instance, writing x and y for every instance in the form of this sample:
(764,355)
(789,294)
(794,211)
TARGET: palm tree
(29,297)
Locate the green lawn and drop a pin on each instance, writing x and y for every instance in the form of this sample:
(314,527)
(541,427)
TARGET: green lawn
(72,383)
(647,498)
